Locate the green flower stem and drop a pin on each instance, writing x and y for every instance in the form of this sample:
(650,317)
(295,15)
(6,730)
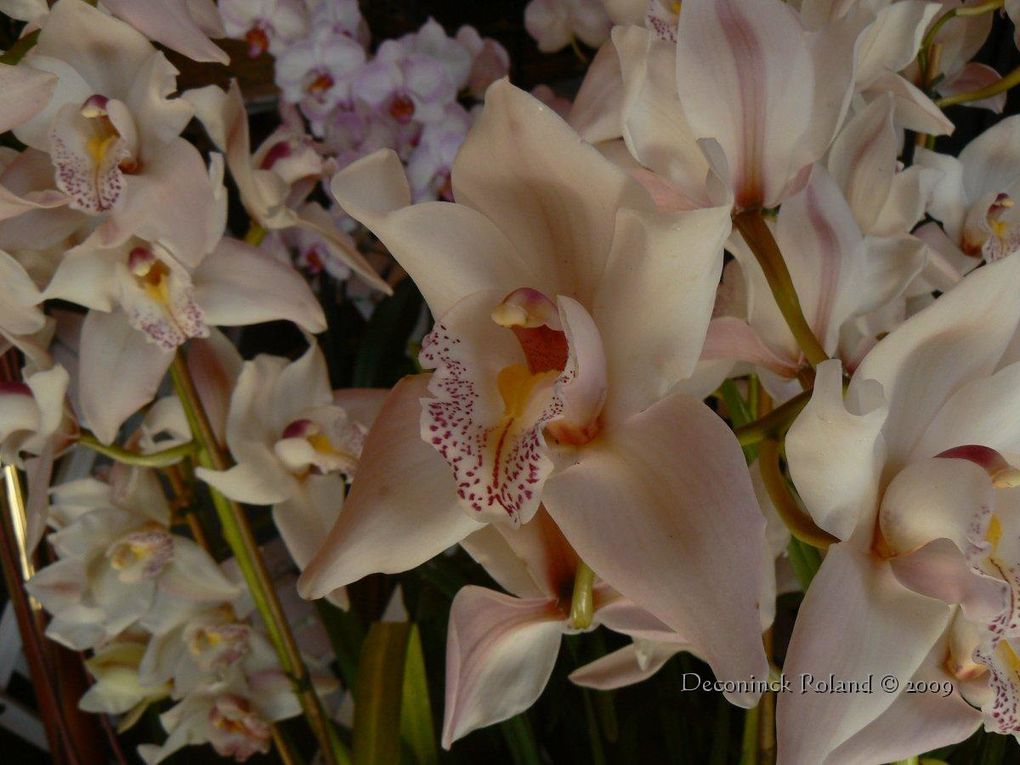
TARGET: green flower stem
(582,606)
(759,238)
(23,45)
(774,424)
(929,38)
(159,459)
(1007,82)
(796,520)
(241,540)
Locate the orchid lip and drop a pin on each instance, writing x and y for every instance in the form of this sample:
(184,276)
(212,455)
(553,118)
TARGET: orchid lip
(1003,474)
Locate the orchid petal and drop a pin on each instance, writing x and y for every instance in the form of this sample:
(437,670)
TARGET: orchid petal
(26,91)
(625,666)
(975,76)
(239,284)
(661,507)
(401,482)
(171,24)
(836,488)
(882,628)
(595,113)
(449,250)
(655,300)
(500,653)
(120,372)
(552,195)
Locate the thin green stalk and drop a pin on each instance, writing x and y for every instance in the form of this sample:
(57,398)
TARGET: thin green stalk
(749,741)
(929,38)
(520,740)
(796,520)
(759,238)
(238,534)
(1007,82)
(163,458)
(774,424)
(16,52)
(582,606)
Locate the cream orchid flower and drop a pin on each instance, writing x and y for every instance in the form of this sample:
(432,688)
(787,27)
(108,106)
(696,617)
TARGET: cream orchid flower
(112,133)
(274,180)
(914,479)
(974,200)
(34,414)
(838,273)
(740,106)
(119,688)
(293,440)
(147,300)
(501,649)
(567,307)
(113,560)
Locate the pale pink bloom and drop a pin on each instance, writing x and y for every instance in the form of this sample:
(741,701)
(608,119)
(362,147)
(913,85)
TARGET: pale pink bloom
(432,41)
(554,23)
(407,84)
(317,72)
(888,35)
(34,415)
(146,302)
(293,440)
(112,133)
(113,559)
(549,385)
(274,180)
(839,274)
(314,253)
(266,25)
(181,25)
(358,129)
(960,40)
(501,649)
(342,17)
(910,472)
(428,168)
(974,200)
(745,85)
(489,60)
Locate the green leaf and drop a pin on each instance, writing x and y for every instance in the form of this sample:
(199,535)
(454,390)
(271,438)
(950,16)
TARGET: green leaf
(416,715)
(805,561)
(391,701)
(520,739)
(346,635)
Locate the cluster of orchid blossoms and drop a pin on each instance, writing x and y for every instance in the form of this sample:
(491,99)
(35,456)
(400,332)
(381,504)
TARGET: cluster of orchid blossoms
(743,205)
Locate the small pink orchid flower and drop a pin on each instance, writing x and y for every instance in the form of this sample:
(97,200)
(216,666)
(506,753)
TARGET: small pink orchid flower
(567,308)
(917,479)
(266,25)
(554,23)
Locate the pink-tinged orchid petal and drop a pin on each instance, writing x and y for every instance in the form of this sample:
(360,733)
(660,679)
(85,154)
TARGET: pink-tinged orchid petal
(882,628)
(401,481)
(26,91)
(120,372)
(912,364)
(361,404)
(170,23)
(949,199)
(305,520)
(500,652)
(916,722)
(862,160)
(991,162)
(732,338)
(175,182)
(625,666)
(654,312)
(595,113)
(676,533)
(448,249)
(537,202)
(736,85)
(532,561)
(891,42)
(980,412)
(239,284)
(194,575)
(19,298)
(974,76)
(626,617)
(836,487)
(914,110)
(653,122)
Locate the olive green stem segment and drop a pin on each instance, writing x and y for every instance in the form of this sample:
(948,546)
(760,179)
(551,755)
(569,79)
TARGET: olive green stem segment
(759,238)
(1010,80)
(973,10)
(774,424)
(238,534)
(163,458)
(582,603)
(796,520)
